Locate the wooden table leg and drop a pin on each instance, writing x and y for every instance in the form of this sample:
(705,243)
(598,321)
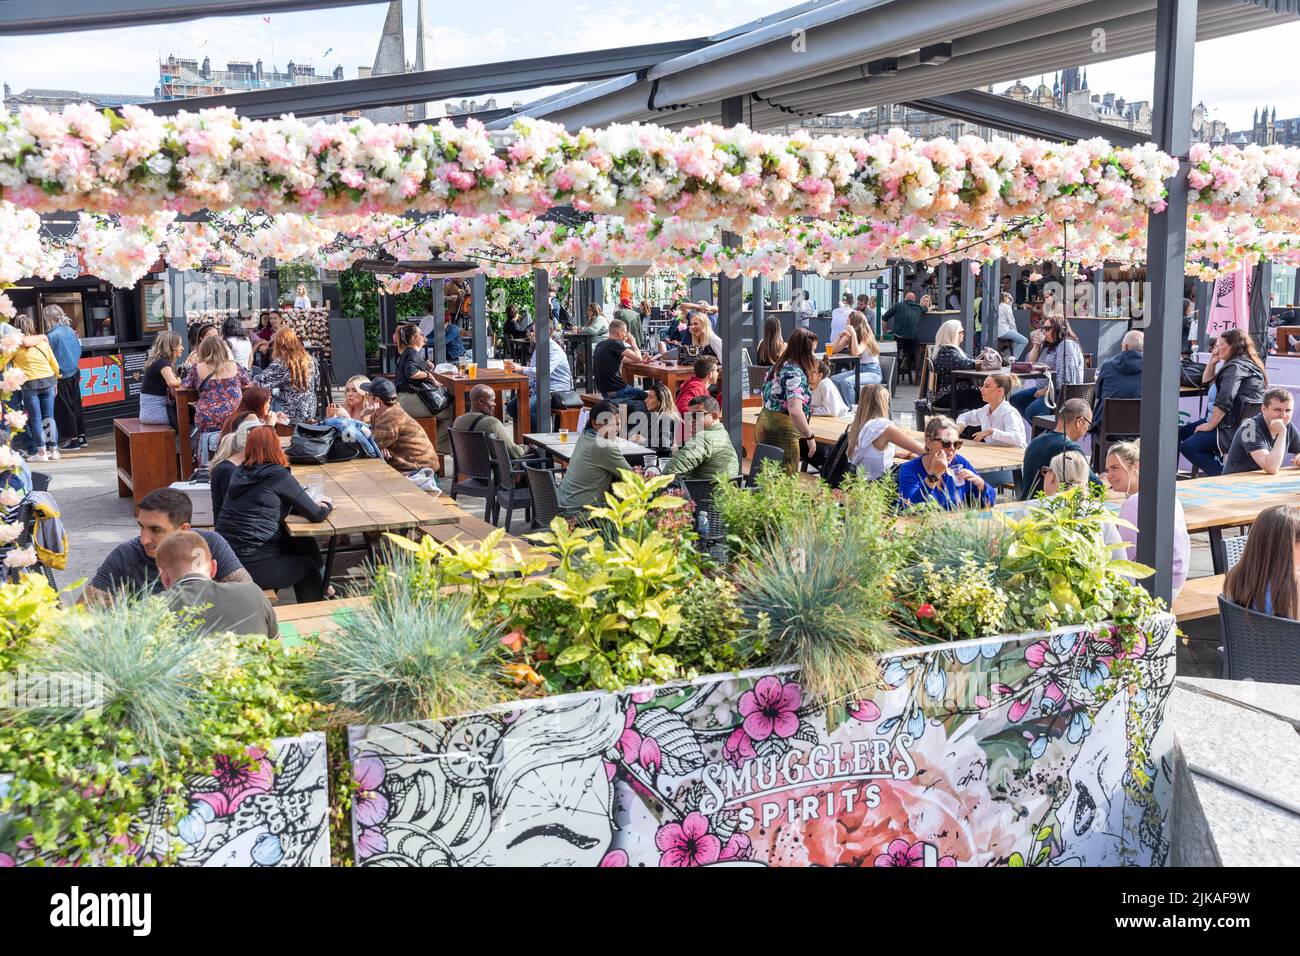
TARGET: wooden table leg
(524,414)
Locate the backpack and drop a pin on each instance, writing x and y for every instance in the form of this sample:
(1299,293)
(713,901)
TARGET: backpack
(318,445)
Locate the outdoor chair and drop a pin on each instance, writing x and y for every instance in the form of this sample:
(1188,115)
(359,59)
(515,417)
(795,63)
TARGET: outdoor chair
(1258,646)
(512,486)
(1082,390)
(700,492)
(924,407)
(1089,375)
(473,471)
(1121,420)
(1233,548)
(763,453)
(757,375)
(543,490)
(888,373)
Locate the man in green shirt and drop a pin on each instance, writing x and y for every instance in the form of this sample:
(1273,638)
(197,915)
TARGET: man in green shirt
(709,453)
(906,315)
(632,319)
(186,568)
(596,461)
(481,417)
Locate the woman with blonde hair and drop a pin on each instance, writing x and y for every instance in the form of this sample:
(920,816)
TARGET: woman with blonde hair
(997,422)
(354,400)
(873,438)
(948,357)
(857,339)
(1067,471)
(41,367)
(1122,461)
(940,474)
(157,407)
(291,377)
(1264,579)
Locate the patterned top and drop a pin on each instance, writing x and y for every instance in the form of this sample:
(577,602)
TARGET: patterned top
(785,383)
(217,399)
(1065,359)
(300,406)
(946,360)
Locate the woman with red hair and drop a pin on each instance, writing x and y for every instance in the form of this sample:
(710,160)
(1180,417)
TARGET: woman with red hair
(262,493)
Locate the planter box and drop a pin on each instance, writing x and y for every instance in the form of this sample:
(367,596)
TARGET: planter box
(275,813)
(1015,750)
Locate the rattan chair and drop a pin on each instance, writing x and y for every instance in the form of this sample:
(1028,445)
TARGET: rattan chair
(701,493)
(1121,420)
(512,486)
(473,475)
(544,492)
(1258,646)
(1233,548)
(888,372)
(764,453)
(757,375)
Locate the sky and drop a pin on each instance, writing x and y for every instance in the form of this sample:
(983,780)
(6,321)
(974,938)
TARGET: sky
(1233,75)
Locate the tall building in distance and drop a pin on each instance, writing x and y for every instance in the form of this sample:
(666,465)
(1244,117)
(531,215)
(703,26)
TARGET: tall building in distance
(181,79)
(1267,130)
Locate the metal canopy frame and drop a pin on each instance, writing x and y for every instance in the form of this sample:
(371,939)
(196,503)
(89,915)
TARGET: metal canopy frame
(399,89)
(1023,119)
(24,17)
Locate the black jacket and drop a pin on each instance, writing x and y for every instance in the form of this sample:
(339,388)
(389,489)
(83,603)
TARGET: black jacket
(1240,382)
(1120,377)
(257,501)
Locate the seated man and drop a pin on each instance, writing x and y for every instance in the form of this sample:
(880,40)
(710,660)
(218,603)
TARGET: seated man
(609,360)
(1261,442)
(704,374)
(1120,375)
(401,439)
(561,380)
(132,566)
(596,461)
(1072,423)
(481,418)
(708,454)
(185,567)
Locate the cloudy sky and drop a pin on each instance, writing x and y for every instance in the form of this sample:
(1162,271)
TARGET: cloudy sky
(1233,75)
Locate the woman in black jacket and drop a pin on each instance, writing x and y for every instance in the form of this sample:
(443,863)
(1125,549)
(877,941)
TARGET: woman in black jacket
(261,494)
(1239,380)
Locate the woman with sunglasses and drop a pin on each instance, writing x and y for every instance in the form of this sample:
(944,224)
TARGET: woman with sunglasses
(1056,346)
(941,475)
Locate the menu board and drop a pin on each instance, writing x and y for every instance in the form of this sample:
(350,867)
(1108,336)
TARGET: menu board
(133,371)
(155,311)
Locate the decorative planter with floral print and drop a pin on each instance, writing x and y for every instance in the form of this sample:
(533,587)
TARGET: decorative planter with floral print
(272,810)
(1036,749)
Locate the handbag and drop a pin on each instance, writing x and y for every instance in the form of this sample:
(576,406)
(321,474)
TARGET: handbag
(1191,373)
(436,398)
(318,445)
(989,360)
(1028,368)
(561,401)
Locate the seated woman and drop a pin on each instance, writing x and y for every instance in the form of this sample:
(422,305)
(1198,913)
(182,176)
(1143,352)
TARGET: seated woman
(873,438)
(826,398)
(856,339)
(1070,470)
(156,404)
(664,421)
(354,401)
(940,474)
(292,377)
(997,422)
(254,403)
(1264,579)
(261,494)
(229,456)
(220,382)
(1122,462)
(948,357)
(197,333)
(1055,345)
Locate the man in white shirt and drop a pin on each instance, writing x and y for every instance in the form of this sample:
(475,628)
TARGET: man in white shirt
(561,381)
(840,316)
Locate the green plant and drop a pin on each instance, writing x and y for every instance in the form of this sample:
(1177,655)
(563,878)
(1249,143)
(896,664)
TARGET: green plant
(610,615)
(408,656)
(820,598)
(29,611)
(954,600)
(1058,567)
(711,623)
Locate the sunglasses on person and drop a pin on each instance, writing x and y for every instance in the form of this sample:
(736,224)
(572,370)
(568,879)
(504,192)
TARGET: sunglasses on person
(948,445)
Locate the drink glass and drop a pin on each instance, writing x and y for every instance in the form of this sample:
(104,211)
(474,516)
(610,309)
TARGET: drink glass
(564,436)
(830,350)
(957,479)
(509,365)
(472,370)
(316,490)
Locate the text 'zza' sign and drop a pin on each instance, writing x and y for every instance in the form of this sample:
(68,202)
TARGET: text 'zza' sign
(102,380)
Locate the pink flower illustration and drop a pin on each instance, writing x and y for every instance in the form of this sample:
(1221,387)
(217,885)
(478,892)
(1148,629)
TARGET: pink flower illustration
(771,708)
(371,805)
(614,858)
(738,848)
(637,749)
(238,779)
(688,843)
(7,860)
(902,853)
(738,748)
(864,710)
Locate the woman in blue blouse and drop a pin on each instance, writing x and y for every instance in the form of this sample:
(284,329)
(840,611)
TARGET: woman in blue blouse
(941,474)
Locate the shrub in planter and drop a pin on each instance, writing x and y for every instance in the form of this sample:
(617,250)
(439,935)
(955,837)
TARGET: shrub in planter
(139,739)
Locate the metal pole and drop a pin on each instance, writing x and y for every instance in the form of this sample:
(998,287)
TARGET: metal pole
(941,286)
(835,294)
(439,323)
(1166,248)
(968,303)
(1204,292)
(542,334)
(1099,291)
(478,313)
(387,326)
(731,315)
(757,302)
(796,282)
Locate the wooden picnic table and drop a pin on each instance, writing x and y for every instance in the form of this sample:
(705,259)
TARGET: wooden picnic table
(185,398)
(500,381)
(369,496)
(563,450)
(671,374)
(828,430)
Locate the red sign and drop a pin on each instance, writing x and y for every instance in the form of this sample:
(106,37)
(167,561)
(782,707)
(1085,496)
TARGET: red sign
(102,381)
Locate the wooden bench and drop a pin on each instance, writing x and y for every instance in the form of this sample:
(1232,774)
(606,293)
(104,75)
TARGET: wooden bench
(146,457)
(589,399)
(568,418)
(1199,598)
